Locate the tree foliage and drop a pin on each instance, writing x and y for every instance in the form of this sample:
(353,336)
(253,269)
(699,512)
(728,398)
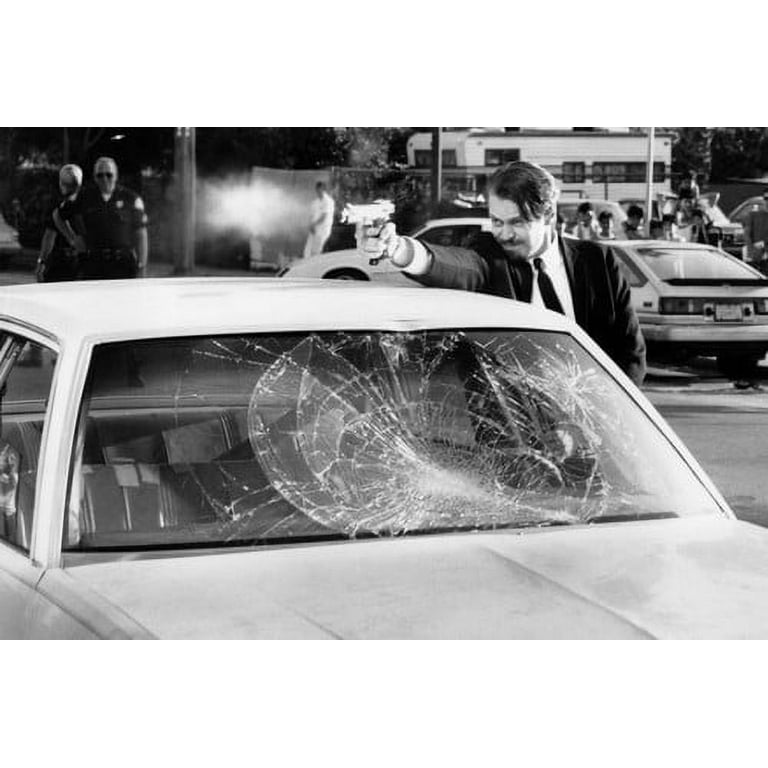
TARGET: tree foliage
(719,154)
(739,153)
(692,151)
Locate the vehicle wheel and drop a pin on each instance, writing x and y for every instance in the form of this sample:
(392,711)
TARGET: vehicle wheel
(346,274)
(738,366)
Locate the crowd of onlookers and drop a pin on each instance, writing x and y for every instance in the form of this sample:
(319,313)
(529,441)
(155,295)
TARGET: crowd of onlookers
(685,219)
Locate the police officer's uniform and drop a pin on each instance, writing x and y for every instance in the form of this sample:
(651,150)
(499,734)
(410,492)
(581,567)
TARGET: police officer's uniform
(110,228)
(61,261)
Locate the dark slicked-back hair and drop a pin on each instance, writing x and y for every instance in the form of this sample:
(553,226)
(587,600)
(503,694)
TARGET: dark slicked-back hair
(531,188)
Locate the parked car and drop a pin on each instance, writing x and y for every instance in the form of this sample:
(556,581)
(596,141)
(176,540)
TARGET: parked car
(229,458)
(347,264)
(697,300)
(9,242)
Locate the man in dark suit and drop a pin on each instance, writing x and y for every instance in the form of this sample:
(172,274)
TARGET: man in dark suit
(525,259)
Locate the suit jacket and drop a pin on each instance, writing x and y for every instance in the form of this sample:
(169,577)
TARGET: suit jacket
(601,296)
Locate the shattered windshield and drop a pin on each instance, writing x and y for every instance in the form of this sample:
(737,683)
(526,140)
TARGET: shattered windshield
(299,437)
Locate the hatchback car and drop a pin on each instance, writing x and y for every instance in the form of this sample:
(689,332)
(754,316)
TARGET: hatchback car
(697,300)
(220,458)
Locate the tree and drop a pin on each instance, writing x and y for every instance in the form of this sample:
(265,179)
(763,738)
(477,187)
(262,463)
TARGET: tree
(375,147)
(718,154)
(692,151)
(739,153)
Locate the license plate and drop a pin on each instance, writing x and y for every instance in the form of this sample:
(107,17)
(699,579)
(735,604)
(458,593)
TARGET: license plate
(728,312)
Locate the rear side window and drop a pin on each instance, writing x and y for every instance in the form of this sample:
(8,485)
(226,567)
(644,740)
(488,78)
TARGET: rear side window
(26,373)
(634,277)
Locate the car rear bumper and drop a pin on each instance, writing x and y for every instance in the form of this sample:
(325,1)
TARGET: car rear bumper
(708,338)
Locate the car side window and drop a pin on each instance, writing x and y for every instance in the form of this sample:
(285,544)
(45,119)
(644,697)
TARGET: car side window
(26,374)
(457,235)
(634,277)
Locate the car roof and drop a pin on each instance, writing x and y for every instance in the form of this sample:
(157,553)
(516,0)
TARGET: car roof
(161,307)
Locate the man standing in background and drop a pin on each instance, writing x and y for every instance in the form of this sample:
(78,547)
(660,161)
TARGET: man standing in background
(321,221)
(61,244)
(115,225)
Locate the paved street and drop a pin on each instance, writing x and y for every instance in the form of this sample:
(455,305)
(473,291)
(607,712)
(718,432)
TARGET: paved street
(727,431)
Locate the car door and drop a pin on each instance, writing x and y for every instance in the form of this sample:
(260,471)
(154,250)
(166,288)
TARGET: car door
(26,376)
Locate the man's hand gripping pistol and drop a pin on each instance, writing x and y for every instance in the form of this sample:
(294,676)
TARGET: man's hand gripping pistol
(376,214)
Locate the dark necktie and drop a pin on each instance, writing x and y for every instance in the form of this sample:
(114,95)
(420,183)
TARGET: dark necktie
(522,278)
(547,290)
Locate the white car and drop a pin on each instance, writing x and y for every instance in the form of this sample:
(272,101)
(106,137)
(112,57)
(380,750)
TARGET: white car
(348,264)
(228,458)
(697,300)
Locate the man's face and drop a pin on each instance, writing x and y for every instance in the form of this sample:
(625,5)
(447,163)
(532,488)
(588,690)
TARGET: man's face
(519,238)
(585,217)
(68,186)
(105,175)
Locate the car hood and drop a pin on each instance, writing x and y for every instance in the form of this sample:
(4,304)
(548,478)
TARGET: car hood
(691,578)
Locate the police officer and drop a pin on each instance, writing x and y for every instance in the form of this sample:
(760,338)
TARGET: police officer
(114,223)
(60,244)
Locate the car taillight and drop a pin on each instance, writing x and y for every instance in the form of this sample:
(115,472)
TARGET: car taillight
(672,306)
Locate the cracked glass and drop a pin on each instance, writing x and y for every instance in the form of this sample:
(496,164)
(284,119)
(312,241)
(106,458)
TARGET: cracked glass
(297,437)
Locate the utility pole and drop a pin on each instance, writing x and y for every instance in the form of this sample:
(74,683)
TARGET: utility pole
(437,168)
(185,182)
(649,184)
